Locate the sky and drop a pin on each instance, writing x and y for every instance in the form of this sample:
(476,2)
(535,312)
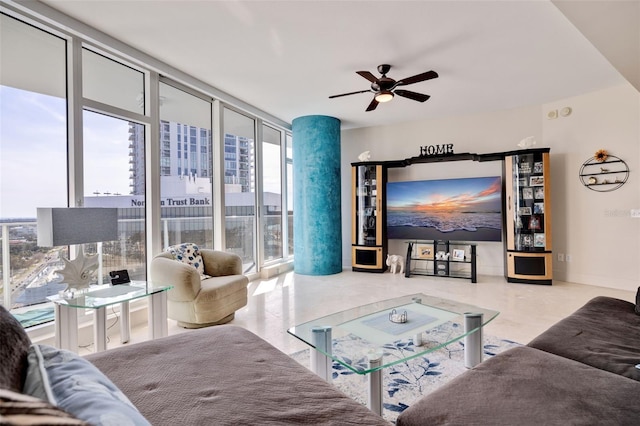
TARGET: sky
(467,194)
(33,164)
(32,152)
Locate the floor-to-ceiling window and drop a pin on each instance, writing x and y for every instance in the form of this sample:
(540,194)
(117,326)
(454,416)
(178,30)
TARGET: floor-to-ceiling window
(186,168)
(80,128)
(239,186)
(113,160)
(289,185)
(109,172)
(271,193)
(33,159)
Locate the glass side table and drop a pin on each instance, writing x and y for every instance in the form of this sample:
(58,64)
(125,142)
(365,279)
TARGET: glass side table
(98,298)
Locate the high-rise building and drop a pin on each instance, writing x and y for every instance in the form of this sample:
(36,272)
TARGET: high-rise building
(185,155)
(136,158)
(238,158)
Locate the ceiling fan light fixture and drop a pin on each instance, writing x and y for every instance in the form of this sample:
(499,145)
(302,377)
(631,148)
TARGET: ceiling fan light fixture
(384,88)
(384,96)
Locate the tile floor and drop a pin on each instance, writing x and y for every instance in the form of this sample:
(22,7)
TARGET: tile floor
(280,302)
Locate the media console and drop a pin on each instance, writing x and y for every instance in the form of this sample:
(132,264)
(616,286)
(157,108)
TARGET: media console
(526,212)
(439,258)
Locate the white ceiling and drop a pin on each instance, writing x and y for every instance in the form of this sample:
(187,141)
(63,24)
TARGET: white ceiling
(287,57)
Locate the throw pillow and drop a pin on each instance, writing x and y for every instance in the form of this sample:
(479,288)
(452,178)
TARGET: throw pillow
(75,385)
(14,344)
(188,253)
(20,409)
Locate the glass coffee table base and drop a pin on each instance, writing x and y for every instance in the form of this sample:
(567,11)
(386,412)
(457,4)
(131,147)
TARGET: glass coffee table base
(472,340)
(321,362)
(375,384)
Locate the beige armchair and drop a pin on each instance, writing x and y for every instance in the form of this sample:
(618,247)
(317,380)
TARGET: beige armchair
(196,302)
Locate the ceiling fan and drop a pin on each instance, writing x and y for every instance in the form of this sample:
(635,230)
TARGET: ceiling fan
(385,87)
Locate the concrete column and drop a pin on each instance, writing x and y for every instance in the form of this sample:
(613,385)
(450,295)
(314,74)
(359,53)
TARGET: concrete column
(317,234)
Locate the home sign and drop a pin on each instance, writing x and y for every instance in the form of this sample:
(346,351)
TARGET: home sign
(432,150)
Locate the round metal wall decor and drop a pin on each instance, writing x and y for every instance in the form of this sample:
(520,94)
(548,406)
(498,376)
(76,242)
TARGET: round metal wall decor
(604,175)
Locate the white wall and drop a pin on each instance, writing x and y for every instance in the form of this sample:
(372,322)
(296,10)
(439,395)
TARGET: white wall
(596,228)
(583,225)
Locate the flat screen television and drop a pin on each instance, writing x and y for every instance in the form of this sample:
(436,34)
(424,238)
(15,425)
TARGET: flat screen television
(464,209)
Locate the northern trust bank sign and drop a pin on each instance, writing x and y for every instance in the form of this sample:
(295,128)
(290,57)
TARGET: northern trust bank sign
(122,201)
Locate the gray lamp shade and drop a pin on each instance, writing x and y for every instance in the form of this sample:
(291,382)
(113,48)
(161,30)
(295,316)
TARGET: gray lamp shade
(76,225)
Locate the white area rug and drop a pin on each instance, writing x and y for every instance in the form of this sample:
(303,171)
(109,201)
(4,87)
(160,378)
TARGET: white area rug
(407,381)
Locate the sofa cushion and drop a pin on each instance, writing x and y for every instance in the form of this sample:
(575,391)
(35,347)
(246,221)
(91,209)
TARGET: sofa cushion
(20,409)
(72,383)
(14,344)
(225,375)
(188,253)
(603,333)
(525,386)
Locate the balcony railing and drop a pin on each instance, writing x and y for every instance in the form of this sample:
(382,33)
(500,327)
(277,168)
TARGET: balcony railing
(28,271)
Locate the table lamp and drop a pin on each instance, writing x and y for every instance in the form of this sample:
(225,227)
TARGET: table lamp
(77,225)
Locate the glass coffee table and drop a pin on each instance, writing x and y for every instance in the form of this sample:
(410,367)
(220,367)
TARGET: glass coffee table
(356,338)
(98,298)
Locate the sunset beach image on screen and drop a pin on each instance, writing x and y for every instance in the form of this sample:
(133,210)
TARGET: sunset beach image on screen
(463,209)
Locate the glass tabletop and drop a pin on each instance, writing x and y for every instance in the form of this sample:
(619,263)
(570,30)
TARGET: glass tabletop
(104,295)
(387,328)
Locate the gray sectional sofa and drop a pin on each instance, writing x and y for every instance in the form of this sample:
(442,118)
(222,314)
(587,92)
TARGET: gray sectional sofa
(222,375)
(581,371)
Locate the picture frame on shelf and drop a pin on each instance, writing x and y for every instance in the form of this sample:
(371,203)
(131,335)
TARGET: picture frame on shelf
(519,222)
(371,222)
(539,240)
(534,223)
(527,193)
(523,182)
(538,193)
(424,251)
(536,181)
(537,167)
(524,211)
(526,240)
(458,255)
(525,167)
(538,208)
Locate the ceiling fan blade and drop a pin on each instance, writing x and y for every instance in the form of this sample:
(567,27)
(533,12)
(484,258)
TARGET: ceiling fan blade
(417,78)
(366,74)
(412,95)
(373,105)
(347,94)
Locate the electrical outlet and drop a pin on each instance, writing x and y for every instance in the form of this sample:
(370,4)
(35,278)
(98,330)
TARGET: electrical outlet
(568,257)
(635,212)
(560,257)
